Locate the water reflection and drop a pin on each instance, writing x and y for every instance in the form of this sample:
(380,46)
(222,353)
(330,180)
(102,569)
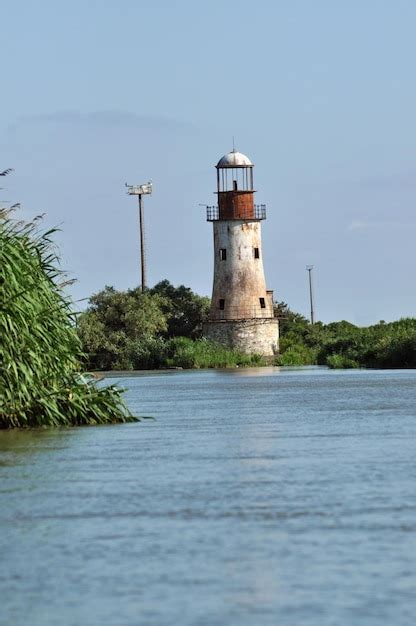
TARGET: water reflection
(249,371)
(31,440)
(274,370)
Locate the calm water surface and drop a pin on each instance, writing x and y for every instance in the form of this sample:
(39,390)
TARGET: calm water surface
(258,497)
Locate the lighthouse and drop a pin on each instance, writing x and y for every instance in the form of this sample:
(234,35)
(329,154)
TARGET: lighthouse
(241,314)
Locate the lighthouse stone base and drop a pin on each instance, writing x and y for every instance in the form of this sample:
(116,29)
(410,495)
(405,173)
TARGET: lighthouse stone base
(254,336)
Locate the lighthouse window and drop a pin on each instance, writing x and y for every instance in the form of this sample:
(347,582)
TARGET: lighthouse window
(222,304)
(223,254)
(256,253)
(262,303)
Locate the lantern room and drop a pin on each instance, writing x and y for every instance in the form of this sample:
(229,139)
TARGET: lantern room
(235,187)
(234,173)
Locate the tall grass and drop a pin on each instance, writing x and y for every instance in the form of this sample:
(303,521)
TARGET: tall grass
(40,352)
(186,353)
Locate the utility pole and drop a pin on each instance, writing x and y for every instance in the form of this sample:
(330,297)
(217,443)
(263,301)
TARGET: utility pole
(311,295)
(141,190)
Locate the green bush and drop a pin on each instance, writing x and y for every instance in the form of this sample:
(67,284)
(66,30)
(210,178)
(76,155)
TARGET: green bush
(295,354)
(148,353)
(119,329)
(339,361)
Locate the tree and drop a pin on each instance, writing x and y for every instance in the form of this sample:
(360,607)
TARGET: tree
(116,323)
(131,329)
(185,310)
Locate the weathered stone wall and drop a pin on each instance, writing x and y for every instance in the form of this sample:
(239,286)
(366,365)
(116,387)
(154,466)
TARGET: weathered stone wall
(239,278)
(256,336)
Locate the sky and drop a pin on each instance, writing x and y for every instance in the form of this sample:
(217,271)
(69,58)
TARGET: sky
(320,95)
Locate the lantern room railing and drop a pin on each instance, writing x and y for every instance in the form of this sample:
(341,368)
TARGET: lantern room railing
(213,213)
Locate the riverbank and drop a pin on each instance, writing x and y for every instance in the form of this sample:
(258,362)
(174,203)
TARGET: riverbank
(344,345)
(162,328)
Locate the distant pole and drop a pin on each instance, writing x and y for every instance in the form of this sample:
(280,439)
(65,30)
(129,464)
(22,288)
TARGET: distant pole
(141,190)
(142,243)
(310,269)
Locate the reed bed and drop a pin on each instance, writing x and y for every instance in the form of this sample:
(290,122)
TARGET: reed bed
(40,352)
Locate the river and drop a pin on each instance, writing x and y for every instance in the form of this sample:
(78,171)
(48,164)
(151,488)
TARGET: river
(256,497)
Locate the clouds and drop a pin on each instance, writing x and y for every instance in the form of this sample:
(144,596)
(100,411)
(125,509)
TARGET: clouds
(101,119)
(405,180)
(357,225)
(360,226)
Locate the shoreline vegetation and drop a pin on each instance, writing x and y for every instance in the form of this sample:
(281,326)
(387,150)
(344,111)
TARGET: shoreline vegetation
(41,383)
(344,345)
(162,327)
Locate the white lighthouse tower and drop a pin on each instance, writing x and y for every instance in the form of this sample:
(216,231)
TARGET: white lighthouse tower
(241,313)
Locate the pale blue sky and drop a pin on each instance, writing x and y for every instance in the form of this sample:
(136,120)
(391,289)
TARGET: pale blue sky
(320,95)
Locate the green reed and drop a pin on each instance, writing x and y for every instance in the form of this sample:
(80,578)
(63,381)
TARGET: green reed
(40,352)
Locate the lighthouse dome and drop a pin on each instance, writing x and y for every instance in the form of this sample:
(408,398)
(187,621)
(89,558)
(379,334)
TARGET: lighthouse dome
(234,159)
